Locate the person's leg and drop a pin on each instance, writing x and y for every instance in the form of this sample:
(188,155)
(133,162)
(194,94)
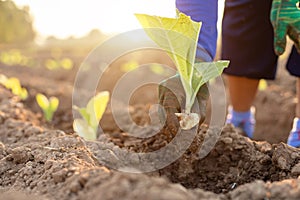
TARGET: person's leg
(293,66)
(242,93)
(298,98)
(294,136)
(251,55)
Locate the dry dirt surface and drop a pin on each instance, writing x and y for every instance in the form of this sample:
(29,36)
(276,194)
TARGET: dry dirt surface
(41,163)
(48,161)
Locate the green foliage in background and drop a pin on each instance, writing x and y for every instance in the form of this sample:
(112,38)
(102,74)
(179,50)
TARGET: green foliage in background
(15,24)
(15,57)
(53,64)
(14,85)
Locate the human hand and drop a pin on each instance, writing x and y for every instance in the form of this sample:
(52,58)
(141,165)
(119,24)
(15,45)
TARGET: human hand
(285,18)
(172,99)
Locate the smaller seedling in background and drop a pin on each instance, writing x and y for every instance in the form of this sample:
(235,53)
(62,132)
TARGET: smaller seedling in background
(54,64)
(51,64)
(15,57)
(129,66)
(66,63)
(49,106)
(262,85)
(91,114)
(14,85)
(157,69)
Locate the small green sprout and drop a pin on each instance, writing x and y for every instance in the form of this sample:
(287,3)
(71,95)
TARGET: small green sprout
(263,85)
(51,64)
(14,85)
(49,106)
(66,63)
(54,64)
(91,114)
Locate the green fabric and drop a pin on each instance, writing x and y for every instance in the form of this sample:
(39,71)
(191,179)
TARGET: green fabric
(285,18)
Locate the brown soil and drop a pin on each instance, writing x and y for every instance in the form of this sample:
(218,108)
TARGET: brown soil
(41,160)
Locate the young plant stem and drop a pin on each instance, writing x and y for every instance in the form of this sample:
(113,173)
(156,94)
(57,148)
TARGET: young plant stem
(48,115)
(188,104)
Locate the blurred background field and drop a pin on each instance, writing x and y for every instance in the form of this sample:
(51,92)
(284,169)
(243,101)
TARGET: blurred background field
(59,34)
(43,44)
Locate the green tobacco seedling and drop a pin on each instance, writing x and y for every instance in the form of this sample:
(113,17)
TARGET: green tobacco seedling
(14,85)
(49,106)
(91,114)
(178,37)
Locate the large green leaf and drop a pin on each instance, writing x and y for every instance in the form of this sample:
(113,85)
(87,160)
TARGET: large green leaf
(178,36)
(206,71)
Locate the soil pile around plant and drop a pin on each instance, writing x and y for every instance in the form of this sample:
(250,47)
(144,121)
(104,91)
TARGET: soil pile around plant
(38,163)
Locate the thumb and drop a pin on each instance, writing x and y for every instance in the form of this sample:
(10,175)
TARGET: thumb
(280,32)
(295,37)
